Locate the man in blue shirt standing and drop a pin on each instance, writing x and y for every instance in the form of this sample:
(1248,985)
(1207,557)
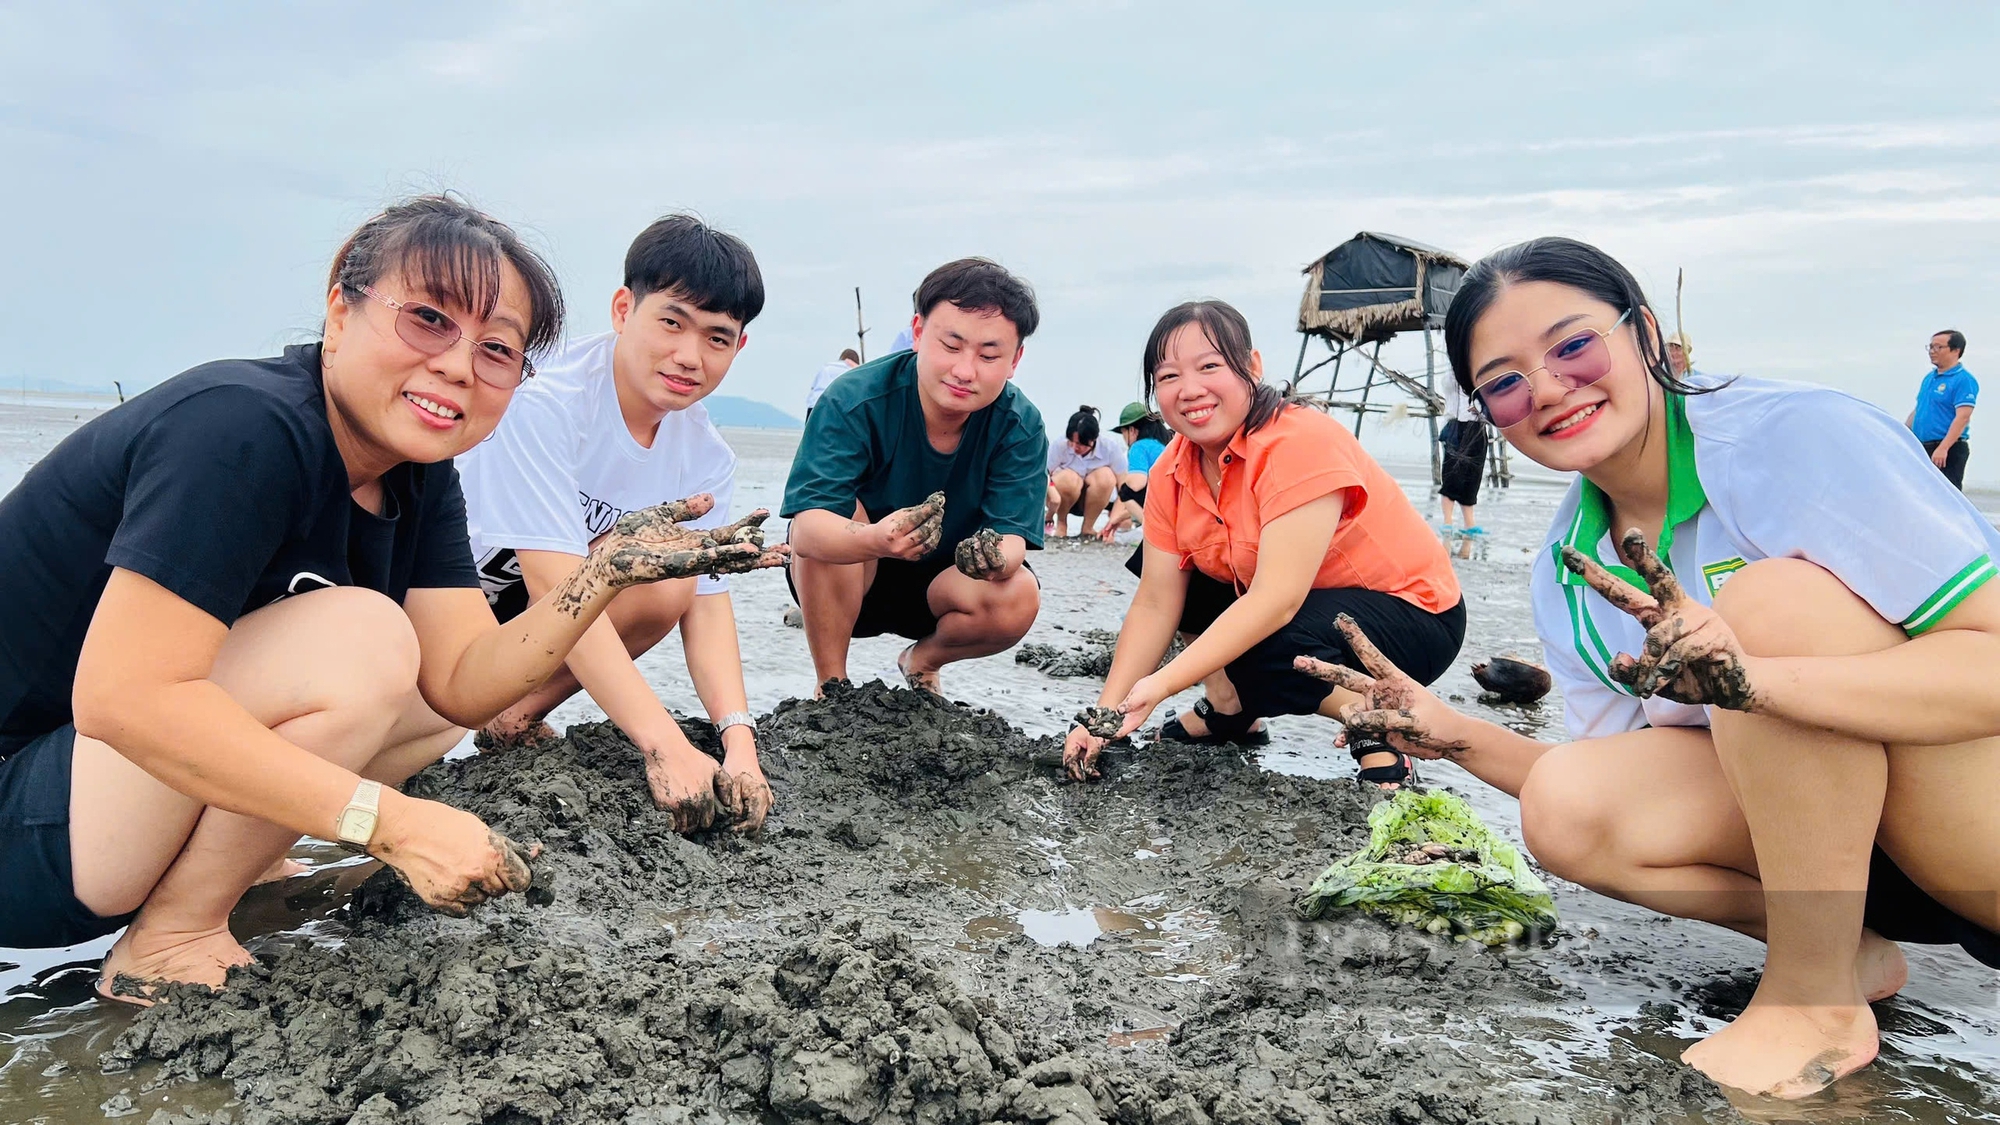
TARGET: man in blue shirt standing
(1942,419)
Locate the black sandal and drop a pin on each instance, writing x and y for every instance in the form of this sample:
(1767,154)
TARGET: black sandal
(1403,771)
(1222,728)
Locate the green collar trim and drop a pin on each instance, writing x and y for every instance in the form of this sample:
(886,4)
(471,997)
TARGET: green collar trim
(1685,498)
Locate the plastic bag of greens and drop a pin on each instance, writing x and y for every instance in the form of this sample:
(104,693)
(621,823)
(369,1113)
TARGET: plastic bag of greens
(1431,864)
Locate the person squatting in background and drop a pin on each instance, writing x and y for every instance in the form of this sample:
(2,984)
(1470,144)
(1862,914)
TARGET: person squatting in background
(613,423)
(1145,438)
(917,490)
(1776,656)
(1084,470)
(239,609)
(1265,522)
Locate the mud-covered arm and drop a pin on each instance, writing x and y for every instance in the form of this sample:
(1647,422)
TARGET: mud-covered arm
(472,668)
(1150,623)
(604,668)
(1290,551)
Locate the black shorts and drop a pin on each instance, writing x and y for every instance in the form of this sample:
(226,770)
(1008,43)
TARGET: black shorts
(1464,463)
(1900,910)
(1135,495)
(38,906)
(1954,461)
(898,602)
(1421,643)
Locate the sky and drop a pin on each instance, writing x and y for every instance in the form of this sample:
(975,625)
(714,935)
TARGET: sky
(175,178)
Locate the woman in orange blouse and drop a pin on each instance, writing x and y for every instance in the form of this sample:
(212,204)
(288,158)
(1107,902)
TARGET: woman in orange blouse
(1265,522)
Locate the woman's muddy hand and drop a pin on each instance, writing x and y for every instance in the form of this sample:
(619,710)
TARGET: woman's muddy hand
(1140,702)
(1691,655)
(981,555)
(749,797)
(913,532)
(690,787)
(449,857)
(1080,751)
(1394,708)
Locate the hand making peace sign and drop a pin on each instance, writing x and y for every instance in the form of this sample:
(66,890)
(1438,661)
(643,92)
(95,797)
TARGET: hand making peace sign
(1691,656)
(1394,708)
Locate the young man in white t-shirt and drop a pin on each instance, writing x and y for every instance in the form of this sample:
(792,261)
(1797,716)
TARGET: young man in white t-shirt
(611,424)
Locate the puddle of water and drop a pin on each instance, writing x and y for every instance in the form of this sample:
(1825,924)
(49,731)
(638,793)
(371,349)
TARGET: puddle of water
(1188,944)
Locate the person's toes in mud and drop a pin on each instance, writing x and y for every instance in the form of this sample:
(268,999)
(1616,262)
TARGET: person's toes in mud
(1788,1051)
(142,959)
(980,556)
(281,870)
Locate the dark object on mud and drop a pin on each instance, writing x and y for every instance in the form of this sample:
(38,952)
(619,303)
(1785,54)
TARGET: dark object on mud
(1092,658)
(1100,722)
(1512,681)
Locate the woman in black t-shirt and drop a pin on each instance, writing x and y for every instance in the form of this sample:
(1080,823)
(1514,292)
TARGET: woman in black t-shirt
(237,607)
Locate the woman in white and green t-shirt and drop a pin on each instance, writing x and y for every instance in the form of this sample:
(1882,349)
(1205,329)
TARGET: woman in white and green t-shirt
(1796,734)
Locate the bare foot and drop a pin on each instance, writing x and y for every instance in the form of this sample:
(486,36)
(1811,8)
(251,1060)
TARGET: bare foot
(1879,967)
(282,869)
(1779,1051)
(921,681)
(149,959)
(509,733)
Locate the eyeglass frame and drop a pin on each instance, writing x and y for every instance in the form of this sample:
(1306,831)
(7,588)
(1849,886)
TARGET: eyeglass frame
(1479,401)
(527,364)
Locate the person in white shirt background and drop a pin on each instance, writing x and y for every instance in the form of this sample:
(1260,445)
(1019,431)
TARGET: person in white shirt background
(848,361)
(613,423)
(1776,652)
(1084,470)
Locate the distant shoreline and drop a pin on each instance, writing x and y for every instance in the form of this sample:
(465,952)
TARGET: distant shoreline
(48,406)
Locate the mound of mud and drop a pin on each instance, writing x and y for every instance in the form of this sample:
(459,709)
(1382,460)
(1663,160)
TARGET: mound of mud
(934,927)
(1091,659)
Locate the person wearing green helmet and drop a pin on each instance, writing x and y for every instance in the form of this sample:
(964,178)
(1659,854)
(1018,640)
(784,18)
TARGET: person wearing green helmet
(1146,438)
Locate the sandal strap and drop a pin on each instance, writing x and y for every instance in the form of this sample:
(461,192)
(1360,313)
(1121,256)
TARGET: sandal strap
(1399,772)
(1221,725)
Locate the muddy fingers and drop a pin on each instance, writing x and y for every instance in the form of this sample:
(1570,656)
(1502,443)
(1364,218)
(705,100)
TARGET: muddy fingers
(1660,580)
(1624,596)
(980,555)
(1339,675)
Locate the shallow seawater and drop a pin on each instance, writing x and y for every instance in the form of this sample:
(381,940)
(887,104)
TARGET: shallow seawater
(1645,981)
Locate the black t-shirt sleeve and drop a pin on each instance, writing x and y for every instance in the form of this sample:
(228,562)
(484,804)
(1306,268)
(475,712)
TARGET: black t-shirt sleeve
(444,546)
(212,487)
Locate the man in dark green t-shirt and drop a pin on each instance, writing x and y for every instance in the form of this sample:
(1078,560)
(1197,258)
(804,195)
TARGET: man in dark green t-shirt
(874,549)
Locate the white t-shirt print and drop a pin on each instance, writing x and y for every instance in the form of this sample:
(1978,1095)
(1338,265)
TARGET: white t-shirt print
(561,467)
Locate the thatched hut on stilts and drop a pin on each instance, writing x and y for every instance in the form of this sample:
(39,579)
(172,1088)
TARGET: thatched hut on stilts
(1358,296)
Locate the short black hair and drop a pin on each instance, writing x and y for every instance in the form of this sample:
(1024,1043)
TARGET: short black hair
(681,254)
(977,285)
(453,252)
(1953,339)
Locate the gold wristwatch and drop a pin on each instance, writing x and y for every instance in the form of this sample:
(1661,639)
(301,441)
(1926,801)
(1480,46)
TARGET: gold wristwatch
(356,825)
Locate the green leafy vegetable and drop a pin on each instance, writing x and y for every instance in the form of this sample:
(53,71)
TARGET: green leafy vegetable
(1430,863)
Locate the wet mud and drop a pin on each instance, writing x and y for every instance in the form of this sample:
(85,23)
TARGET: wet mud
(934,927)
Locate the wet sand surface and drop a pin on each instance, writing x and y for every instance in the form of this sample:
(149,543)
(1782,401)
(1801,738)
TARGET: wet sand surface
(935,927)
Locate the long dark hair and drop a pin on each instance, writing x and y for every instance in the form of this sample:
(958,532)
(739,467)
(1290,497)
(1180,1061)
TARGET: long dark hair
(1082,425)
(1565,261)
(1228,333)
(454,252)
(1151,427)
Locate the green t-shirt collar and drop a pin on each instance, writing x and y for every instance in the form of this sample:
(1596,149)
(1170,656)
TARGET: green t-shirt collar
(1685,498)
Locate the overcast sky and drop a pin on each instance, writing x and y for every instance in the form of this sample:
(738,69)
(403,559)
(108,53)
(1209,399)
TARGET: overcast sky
(174,178)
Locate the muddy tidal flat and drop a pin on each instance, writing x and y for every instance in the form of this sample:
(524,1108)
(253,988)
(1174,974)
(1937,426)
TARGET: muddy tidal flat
(936,927)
